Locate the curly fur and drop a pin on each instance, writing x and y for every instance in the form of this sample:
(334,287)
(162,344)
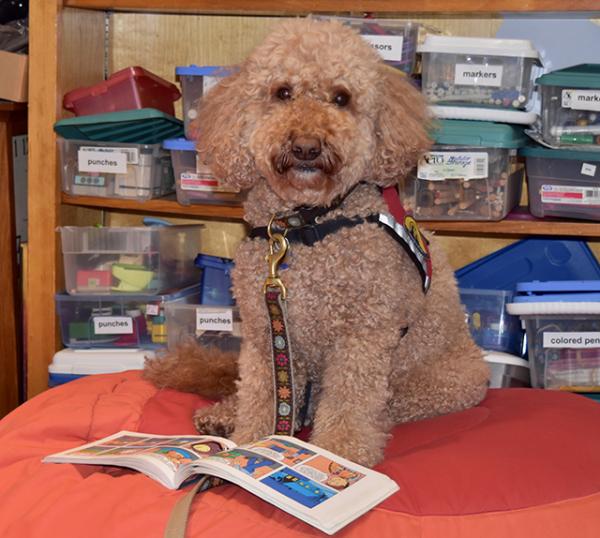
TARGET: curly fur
(351,295)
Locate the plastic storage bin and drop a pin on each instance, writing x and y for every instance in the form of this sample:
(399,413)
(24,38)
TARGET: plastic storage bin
(117,321)
(562,320)
(571,106)
(394,40)
(207,326)
(196,81)
(471,173)
(507,370)
(70,364)
(195,183)
(563,183)
(142,260)
(473,71)
(129,88)
(216,280)
(113,170)
(491,326)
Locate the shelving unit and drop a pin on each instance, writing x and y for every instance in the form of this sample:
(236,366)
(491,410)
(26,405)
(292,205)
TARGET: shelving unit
(68,47)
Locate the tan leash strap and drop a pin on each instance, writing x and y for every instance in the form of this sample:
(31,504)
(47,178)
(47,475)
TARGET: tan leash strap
(179,515)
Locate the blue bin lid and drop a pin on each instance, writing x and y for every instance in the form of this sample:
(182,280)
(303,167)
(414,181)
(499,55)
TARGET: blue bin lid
(571,291)
(179,144)
(204,70)
(214,262)
(528,260)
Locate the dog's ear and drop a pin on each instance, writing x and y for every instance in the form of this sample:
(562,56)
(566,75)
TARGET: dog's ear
(220,131)
(402,127)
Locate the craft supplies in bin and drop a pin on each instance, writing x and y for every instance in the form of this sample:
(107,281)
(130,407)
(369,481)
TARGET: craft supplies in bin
(482,72)
(471,173)
(195,183)
(129,88)
(216,280)
(115,170)
(118,321)
(562,320)
(70,364)
(195,82)
(490,325)
(136,259)
(571,106)
(563,183)
(202,325)
(507,370)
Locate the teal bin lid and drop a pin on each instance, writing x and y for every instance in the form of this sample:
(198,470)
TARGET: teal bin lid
(478,133)
(577,76)
(140,126)
(547,153)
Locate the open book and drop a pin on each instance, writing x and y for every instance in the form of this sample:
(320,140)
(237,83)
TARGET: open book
(310,483)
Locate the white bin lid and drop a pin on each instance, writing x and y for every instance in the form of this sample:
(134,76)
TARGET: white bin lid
(520,48)
(98,361)
(499,357)
(545,308)
(522,117)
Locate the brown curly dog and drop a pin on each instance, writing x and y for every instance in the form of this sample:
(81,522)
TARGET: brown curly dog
(314,118)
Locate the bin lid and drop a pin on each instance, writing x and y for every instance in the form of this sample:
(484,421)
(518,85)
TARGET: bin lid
(478,133)
(204,260)
(205,70)
(547,153)
(576,76)
(179,144)
(477,46)
(139,126)
(565,297)
(98,361)
(129,298)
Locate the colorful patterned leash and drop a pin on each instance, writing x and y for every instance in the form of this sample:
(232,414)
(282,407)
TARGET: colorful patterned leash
(283,375)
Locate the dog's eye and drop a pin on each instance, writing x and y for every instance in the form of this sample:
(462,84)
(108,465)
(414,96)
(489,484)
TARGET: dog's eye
(341,98)
(283,93)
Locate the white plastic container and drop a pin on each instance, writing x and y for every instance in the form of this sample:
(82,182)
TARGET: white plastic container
(478,71)
(507,370)
(138,259)
(115,170)
(204,325)
(195,183)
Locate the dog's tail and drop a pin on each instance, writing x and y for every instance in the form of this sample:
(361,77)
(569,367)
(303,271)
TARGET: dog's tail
(209,372)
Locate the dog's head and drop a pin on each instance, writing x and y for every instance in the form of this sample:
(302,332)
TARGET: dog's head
(312,111)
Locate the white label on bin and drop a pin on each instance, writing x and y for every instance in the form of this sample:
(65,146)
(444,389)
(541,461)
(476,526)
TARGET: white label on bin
(98,161)
(90,181)
(214,321)
(588,169)
(113,325)
(571,340)
(389,47)
(569,195)
(440,165)
(152,310)
(201,181)
(581,99)
(133,154)
(478,75)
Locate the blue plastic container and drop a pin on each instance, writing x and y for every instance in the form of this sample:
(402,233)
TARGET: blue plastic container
(216,280)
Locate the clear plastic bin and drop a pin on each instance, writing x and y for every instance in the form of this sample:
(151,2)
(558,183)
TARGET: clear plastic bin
(144,260)
(480,180)
(571,106)
(196,81)
(486,72)
(206,326)
(195,183)
(395,40)
(130,88)
(491,326)
(563,183)
(115,170)
(118,321)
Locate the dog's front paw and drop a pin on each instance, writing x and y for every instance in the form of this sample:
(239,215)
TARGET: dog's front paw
(363,451)
(209,421)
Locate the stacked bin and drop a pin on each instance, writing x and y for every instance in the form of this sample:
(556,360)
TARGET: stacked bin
(194,182)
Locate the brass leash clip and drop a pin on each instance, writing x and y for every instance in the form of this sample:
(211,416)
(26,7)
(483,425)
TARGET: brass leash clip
(278,247)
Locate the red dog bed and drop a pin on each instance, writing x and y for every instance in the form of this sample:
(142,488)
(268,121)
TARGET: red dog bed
(524,463)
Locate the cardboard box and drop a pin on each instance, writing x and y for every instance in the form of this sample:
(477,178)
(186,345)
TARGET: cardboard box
(13,76)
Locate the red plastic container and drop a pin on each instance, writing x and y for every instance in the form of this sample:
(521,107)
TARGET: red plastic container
(130,88)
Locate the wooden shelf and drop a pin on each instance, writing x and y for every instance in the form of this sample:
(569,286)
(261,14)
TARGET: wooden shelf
(315,6)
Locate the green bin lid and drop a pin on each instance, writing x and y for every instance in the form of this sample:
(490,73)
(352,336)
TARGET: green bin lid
(547,153)
(139,126)
(576,76)
(478,133)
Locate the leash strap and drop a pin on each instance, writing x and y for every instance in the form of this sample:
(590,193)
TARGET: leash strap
(179,515)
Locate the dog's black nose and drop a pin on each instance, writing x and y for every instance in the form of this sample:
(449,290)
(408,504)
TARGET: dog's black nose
(306,148)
